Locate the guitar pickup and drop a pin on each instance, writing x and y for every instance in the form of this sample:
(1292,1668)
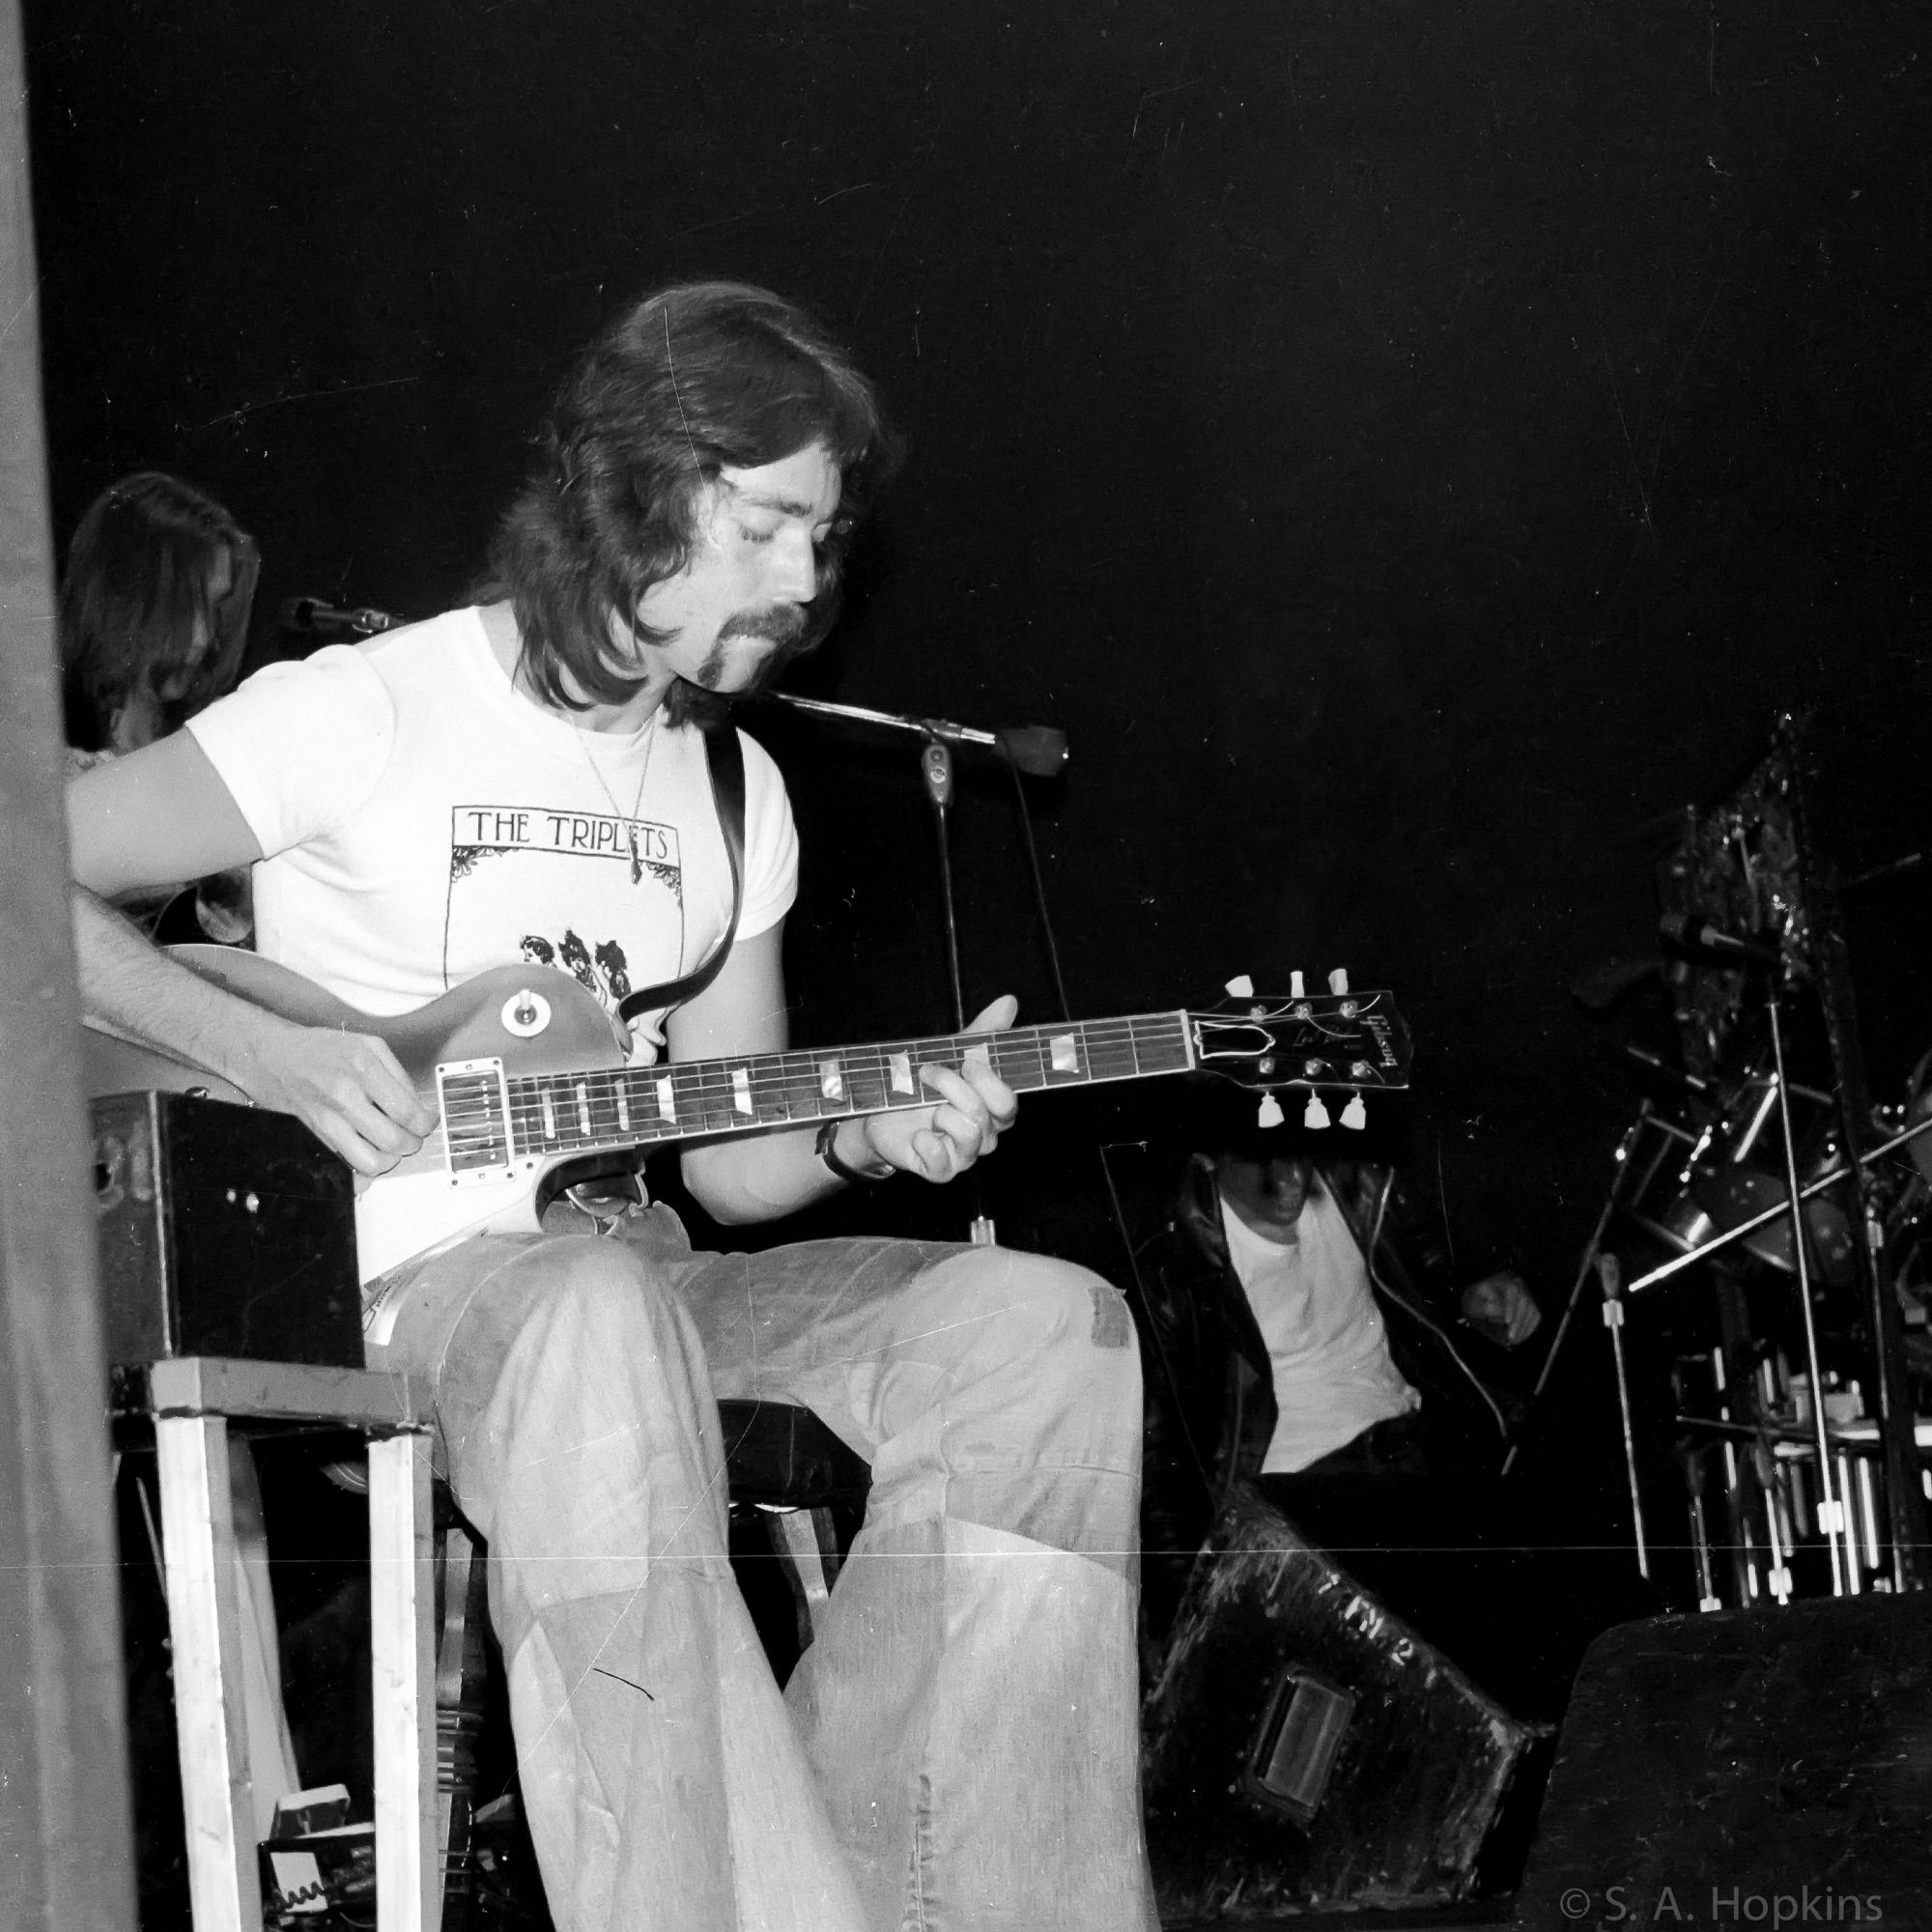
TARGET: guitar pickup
(475,1100)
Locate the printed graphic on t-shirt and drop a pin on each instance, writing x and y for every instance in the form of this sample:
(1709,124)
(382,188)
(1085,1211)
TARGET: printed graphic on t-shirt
(589,894)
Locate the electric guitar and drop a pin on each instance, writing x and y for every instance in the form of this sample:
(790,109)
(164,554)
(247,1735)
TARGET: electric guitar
(523,1071)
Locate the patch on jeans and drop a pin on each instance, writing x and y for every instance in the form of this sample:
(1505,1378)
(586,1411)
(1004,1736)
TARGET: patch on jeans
(1113,1325)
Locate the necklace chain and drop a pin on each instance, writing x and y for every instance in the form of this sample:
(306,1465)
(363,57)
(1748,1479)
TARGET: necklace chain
(629,821)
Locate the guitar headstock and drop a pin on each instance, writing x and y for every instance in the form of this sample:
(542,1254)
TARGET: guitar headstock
(1338,1040)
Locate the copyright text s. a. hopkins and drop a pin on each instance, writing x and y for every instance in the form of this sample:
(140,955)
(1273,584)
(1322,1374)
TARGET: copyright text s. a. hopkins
(1730,1903)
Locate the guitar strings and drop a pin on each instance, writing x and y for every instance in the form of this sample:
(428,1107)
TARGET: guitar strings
(784,1086)
(582,1108)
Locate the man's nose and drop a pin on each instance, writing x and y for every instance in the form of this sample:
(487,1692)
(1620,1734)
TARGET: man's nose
(795,567)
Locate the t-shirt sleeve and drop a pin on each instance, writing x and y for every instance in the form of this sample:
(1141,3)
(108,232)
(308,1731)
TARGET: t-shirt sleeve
(301,746)
(770,844)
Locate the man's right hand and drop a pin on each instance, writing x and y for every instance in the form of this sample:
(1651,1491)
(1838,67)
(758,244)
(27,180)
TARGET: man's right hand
(348,1089)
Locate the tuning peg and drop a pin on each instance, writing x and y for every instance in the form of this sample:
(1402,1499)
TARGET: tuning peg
(1297,986)
(1354,1115)
(1337,980)
(1317,1115)
(1270,1114)
(1241,987)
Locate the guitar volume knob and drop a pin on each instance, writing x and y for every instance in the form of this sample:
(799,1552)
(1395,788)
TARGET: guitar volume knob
(525,1014)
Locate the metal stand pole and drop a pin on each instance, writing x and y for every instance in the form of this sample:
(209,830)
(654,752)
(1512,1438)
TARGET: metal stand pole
(1584,1269)
(1830,1518)
(1610,1275)
(935,765)
(1831,962)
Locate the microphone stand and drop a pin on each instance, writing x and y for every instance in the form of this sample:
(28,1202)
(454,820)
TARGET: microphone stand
(1037,749)
(935,768)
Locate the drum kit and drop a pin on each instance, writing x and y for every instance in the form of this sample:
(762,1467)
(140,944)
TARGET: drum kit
(1763,1249)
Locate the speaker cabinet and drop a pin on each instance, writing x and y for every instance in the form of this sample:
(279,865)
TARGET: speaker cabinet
(1748,1768)
(1306,1750)
(223,1231)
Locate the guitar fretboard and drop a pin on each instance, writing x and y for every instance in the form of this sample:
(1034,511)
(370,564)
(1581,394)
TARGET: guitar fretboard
(552,1113)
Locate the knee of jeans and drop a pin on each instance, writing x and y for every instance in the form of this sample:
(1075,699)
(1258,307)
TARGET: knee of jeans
(605,1297)
(1062,1326)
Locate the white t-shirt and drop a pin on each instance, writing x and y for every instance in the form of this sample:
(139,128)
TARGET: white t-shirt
(1333,1377)
(421,821)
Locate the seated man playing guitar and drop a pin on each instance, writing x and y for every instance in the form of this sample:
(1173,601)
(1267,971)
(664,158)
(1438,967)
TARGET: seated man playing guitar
(527,786)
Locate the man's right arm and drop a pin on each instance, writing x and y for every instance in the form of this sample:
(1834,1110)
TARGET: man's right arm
(162,814)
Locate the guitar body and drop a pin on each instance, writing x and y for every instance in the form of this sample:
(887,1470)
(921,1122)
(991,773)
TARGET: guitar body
(534,1020)
(522,1070)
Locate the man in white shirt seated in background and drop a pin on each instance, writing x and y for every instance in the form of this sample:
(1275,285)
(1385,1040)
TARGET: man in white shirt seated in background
(1346,1393)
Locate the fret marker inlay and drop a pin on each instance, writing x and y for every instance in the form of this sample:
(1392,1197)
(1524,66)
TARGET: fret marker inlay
(830,1081)
(623,1108)
(1066,1052)
(741,1089)
(902,1065)
(583,1109)
(667,1106)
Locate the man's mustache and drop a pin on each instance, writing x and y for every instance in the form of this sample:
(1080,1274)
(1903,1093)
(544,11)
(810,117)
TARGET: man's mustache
(781,624)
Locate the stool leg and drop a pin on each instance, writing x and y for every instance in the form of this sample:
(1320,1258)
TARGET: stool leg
(800,1540)
(205,1629)
(402,1605)
(461,1669)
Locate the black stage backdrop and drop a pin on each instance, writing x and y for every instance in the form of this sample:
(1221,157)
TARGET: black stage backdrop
(1411,451)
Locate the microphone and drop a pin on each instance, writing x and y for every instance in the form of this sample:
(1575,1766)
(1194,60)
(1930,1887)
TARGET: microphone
(312,615)
(1693,930)
(1038,750)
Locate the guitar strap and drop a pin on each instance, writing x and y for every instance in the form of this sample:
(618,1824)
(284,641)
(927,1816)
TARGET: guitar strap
(725,757)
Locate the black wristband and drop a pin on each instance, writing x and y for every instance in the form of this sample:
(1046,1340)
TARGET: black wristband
(827,1149)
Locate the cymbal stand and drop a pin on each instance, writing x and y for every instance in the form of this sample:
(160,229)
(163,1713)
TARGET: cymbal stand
(1584,1269)
(1693,1458)
(1830,1513)
(1831,961)
(1737,1505)
(1610,1276)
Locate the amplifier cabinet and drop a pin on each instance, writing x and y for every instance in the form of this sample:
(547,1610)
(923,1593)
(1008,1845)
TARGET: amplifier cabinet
(1306,1751)
(224,1229)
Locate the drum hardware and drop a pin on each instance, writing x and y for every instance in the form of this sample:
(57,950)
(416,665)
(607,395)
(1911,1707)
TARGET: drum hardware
(1754,913)
(1764,1217)
(1701,1179)
(1769,1466)
(1738,1516)
(1831,1516)
(1621,1188)
(1609,1274)
(1693,1463)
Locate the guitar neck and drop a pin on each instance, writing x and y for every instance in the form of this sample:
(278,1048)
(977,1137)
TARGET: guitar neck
(491,1117)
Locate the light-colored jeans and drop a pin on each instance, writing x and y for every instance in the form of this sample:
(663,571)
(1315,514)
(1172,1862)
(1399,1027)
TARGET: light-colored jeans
(959,1748)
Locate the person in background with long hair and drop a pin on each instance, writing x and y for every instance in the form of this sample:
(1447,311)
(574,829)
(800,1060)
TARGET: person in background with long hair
(154,617)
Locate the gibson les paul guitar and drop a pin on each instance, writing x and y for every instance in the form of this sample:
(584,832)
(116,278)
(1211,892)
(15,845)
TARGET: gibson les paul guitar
(522,1071)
